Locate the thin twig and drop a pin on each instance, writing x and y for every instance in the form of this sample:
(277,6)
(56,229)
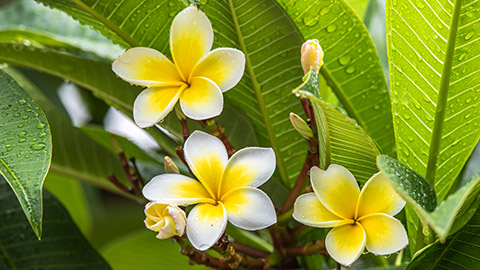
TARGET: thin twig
(113,179)
(248,250)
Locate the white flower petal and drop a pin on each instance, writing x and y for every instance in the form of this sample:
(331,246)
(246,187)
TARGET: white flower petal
(249,208)
(191,38)
(147,67)
(153,104)
(202,100)
(207,157)
(251,166)
(175,189)
(206,224)
(224,66)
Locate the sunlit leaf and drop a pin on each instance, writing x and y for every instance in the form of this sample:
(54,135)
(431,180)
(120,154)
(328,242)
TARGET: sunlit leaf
(435,85)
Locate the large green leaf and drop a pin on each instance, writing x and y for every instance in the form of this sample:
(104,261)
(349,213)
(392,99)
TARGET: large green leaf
(75,155)
(435,85)
(23,19)
(340,139)
(458,207)
(141,250)
(62,245)
(351,68)
(25,148)
(460,251)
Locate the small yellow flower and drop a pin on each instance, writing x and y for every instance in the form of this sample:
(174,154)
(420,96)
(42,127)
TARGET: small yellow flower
(168,220)
(359,218)
(312,55)
(197,77)
(226,190)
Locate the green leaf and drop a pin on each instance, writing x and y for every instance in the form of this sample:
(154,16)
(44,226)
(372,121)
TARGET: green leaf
(25,148)
(352,67)
(71,195)
(75,155)
(460,251)
(458,207)
(341,140)
(27,22)
(141,250)
(435,83)
(360,6)
(62,244)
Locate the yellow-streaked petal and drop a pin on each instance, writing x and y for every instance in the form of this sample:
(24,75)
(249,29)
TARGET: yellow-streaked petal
(310,211)
(224,66)
(206,224)
(378,196)
(346,243)
(191,38)
(146,67)
(337,189)
(202,100)
(154,103)
(176,189)
(249,208)
(251,166)
(385,234)
(207,157)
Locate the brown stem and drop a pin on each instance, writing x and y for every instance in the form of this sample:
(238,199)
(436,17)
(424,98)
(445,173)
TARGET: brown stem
(181,155)
(239,261)
(137,171)
(339,266)
(219,132)
(316,247)
(113,179)
(199,257)
(298,187)
(132,177)
(248,250)
(185,129)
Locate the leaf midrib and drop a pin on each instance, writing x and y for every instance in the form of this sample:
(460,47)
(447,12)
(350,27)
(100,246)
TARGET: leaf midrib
(443,95)
(107,23)
(258,94)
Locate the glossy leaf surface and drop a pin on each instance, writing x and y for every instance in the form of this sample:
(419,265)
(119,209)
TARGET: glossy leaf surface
(25,148)
(435,84)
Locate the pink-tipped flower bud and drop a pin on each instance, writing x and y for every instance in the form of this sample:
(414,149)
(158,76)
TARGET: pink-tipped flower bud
(312,56)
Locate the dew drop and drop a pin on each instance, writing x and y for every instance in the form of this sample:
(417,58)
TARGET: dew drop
(37,146)
(331,28)
(344,60)
(350,70)
(469,35)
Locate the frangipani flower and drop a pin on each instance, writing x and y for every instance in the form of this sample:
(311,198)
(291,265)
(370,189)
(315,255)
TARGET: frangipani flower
(197,77)
(226,190)
(167,220)
(359,218)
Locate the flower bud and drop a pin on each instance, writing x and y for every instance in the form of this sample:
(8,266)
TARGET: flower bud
(301,126)
(167,220)
(169,165)
(312,56)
